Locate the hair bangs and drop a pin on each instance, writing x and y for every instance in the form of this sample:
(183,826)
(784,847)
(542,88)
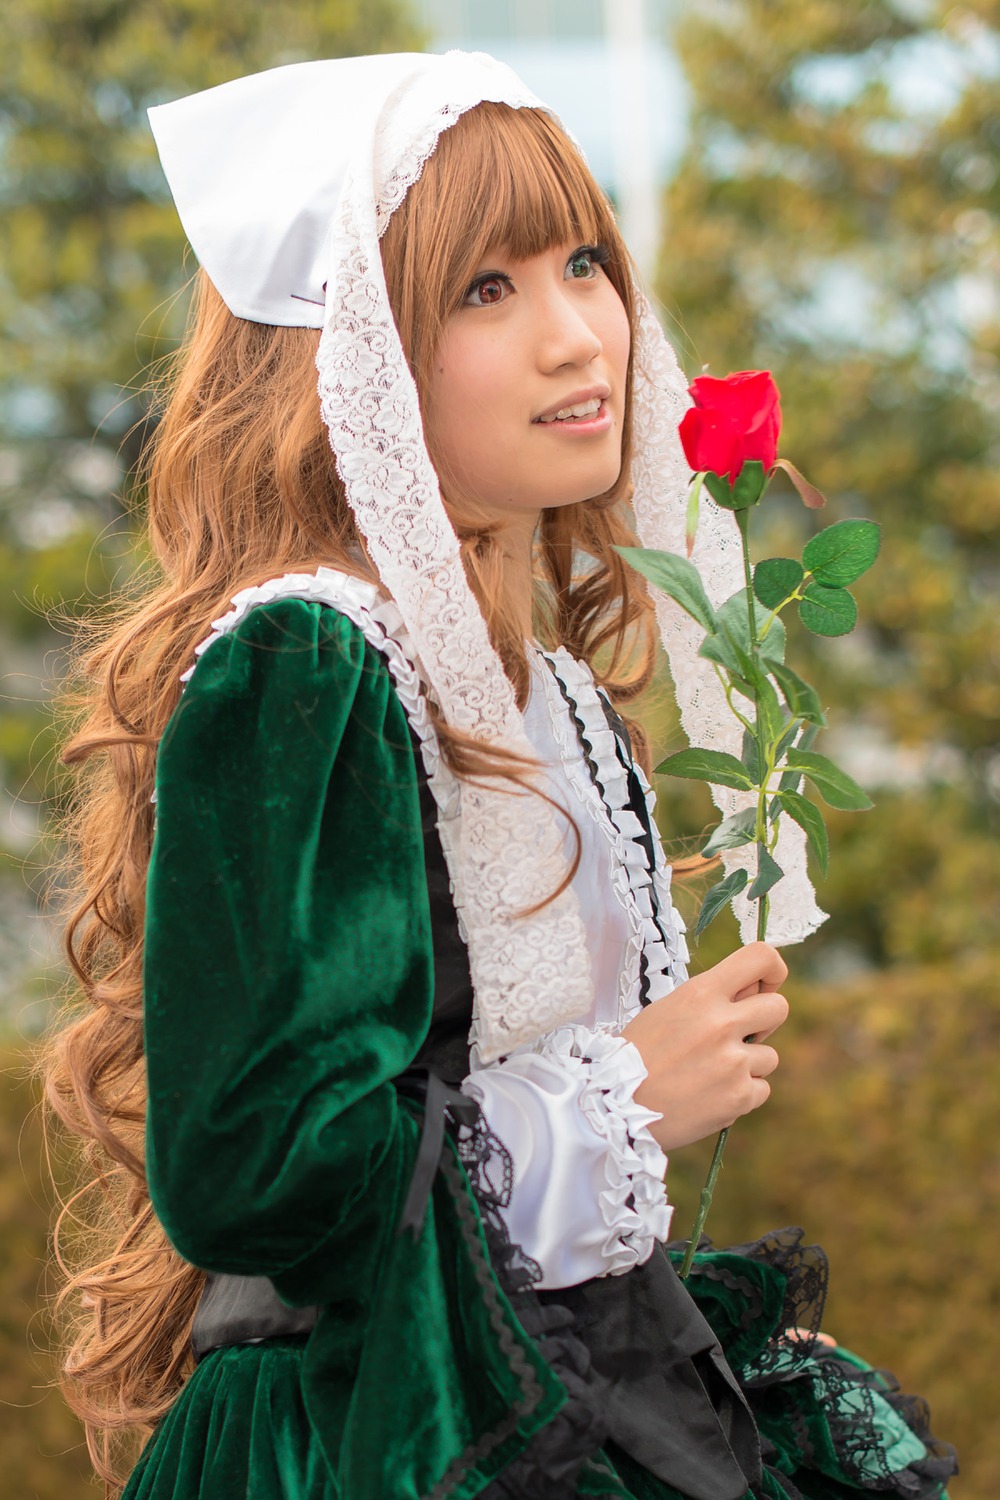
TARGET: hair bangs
(531,188)
(499,179)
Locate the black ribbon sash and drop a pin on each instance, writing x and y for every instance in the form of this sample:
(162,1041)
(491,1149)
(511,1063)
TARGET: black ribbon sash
(442,1103)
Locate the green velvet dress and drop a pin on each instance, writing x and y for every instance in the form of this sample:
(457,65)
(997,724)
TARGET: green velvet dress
(288,982)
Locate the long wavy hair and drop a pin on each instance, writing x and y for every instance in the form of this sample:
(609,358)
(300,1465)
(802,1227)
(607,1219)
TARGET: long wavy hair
(241,486)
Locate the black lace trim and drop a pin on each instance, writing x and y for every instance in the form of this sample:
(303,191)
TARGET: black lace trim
(863,1462)
(794,1327)
(551,1465)
(490,1171)
(637,801)
(772,1374)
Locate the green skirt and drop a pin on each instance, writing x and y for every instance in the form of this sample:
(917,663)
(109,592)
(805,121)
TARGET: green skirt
(831,1427)
(240,1431)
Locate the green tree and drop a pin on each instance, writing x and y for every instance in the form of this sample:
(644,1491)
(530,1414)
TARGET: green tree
(837,220)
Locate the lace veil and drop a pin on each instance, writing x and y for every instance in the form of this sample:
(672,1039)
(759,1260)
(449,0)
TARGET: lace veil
(284,182)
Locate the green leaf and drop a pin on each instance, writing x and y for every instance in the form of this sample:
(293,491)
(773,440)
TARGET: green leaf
(770,714)
(676,577)
(792,780)
(776,579)
(720,490)
(716,898)
(827,611)
(732,617)
(772,648)
(788,738)
(809,818)
(749,486)
(834,785)
(769,872)
(801,697)
(719,648)
(751,757)
(733,832)
(716,766)
(741,670)
(841,553)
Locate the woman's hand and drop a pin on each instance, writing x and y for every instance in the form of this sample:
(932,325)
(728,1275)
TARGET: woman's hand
(703,1047)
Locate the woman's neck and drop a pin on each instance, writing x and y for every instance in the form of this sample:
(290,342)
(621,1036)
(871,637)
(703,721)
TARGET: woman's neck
(516,540)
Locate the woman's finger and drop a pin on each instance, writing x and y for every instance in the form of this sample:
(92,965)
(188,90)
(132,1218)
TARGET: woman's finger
(761,1014)
(763,1060)
(758,966)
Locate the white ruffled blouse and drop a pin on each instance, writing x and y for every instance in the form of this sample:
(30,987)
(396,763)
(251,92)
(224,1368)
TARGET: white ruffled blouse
(589,1197)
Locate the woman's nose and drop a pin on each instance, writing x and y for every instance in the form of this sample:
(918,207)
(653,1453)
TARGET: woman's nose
(565,334)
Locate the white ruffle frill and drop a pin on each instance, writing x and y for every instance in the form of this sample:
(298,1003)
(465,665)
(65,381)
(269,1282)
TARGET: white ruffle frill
(589,1197)
(590,761)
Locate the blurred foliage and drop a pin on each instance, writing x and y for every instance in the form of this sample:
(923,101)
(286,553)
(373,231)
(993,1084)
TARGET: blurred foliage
(837,220)
(44,1456)
(91,262)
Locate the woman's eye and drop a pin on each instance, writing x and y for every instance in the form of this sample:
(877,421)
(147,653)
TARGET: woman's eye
(583,263)
(487,291)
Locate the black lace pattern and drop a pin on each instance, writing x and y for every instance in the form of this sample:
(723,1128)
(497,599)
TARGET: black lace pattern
(798,1386)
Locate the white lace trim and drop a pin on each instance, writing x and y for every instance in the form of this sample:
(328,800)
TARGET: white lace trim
(633,1203)
(380,621)
(529,973)
(607,803)
(669,918)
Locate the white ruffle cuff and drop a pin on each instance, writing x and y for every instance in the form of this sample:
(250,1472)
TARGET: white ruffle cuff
(588,1197)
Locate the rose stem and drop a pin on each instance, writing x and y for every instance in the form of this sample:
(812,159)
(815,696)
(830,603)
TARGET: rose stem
(708,1191)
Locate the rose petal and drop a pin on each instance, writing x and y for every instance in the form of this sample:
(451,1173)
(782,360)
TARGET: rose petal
(710,441)
(748,402)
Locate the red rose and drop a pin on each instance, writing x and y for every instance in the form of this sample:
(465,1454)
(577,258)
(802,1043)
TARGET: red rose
(732,421)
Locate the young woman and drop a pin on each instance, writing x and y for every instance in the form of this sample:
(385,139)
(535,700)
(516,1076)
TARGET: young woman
(389,1023)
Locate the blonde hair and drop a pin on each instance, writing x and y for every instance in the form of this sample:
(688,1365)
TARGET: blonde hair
(241,487)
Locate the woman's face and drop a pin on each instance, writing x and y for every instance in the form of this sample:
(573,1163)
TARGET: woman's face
(525,403)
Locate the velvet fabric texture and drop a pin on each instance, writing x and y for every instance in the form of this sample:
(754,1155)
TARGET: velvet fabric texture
(289,979)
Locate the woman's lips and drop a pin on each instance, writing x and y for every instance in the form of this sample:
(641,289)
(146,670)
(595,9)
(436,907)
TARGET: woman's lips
(581,417)
(579,405)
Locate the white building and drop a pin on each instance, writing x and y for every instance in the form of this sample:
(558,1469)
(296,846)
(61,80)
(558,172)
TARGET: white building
(606,67)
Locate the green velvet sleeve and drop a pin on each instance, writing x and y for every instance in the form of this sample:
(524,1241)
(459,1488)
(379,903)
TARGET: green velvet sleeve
(288,967)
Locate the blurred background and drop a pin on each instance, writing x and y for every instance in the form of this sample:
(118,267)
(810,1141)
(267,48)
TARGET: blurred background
(810,186)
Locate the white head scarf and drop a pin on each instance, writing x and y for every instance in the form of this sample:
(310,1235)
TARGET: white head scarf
(284,182)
